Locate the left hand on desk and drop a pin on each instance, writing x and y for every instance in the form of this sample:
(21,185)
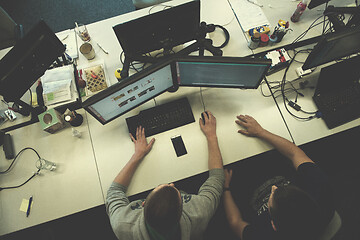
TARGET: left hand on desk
(142,147)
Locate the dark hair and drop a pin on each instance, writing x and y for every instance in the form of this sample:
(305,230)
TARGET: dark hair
(163,209)
(295,214)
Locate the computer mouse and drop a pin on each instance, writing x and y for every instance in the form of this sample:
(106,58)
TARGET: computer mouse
(202,117)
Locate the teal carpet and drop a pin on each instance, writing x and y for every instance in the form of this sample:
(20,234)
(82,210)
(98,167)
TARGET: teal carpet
(61,15)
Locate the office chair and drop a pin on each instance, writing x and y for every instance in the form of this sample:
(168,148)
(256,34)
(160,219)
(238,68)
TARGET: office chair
(146,3)
(332,228)
(10,32)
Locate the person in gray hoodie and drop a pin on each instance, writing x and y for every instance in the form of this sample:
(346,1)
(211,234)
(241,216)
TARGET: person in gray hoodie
(166,213)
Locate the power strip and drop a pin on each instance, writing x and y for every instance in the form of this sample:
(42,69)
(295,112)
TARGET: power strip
(300,72)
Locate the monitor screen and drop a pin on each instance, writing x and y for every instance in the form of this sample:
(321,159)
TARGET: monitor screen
(165,29)
(28,60)
(233,72)
(334,46)
(133,91)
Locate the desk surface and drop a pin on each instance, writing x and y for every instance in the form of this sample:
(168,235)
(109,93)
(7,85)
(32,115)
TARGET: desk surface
(88,165)
(113,147)
(74,186)
(306,131)
(275,10)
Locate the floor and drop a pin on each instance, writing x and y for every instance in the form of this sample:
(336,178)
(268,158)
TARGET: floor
(337,155)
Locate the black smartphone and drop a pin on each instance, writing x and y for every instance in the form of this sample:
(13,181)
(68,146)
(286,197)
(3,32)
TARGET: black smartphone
(178,145)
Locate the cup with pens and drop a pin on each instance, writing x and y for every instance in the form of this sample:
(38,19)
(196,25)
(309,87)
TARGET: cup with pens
(82,32)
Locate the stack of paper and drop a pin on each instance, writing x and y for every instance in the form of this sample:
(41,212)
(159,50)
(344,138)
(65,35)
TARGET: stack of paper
(248,14)
(59,86)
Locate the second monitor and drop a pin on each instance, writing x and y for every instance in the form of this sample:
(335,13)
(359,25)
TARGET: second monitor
(224,72)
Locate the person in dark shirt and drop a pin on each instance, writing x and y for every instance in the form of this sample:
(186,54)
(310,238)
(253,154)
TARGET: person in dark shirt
(300,209)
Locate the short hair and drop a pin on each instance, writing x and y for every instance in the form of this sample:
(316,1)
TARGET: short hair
(163,209)
(296,215)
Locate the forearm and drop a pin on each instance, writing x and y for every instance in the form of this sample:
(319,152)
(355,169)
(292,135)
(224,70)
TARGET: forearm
(125,175)
(285,147)
(233,214)
(215,159)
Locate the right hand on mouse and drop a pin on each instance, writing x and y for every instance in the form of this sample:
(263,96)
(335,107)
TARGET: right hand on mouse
(209,128)
(252,127)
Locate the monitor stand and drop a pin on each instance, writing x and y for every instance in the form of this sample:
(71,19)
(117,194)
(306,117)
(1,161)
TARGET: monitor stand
(201,44)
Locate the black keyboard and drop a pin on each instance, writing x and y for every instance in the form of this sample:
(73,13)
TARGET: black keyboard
(340,107)
(162,118)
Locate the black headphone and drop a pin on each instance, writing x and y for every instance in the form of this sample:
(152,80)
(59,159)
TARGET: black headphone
(212,27)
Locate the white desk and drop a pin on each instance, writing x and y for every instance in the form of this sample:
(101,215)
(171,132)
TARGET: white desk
(88,165)
(113,147)
(302,131)
(275,10)
(74,186)
(306,131)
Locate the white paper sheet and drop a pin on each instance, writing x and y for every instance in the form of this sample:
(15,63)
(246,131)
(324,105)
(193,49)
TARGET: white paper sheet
(249,15)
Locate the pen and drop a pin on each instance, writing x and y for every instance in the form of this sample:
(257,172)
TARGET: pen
(29,206)
(102,48)
(65,37)
(250,1)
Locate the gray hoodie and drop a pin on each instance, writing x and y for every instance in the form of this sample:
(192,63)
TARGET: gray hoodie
(128,222)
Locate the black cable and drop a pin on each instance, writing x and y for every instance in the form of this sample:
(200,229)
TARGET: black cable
(8,169)
(278,107)
(202,100)
(13,161)
(36,173)
(285,99)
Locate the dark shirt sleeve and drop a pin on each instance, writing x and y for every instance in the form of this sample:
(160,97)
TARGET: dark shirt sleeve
(314,181)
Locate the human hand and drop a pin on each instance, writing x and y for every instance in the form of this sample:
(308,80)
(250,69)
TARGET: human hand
(209,128)
(142,147)
(253,128)
(228,176)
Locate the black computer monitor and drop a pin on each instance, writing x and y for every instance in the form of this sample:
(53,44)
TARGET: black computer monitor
(132,92)
(315,3)
(225,72)
(28,60)
(160,30)
(334,46)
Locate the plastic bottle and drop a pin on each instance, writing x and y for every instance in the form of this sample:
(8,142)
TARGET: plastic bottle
(299,11)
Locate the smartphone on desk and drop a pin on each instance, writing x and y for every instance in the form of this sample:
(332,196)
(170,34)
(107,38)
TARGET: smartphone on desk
(179,145)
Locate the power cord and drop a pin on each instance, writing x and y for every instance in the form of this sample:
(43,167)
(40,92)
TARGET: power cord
(12,163)
(202,99)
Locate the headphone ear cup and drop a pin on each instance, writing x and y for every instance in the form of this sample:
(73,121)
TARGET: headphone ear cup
(227,36)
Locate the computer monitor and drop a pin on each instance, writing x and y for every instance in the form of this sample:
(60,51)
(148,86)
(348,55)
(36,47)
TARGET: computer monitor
(160,30)
(334,46)
(225,72)
(315,3)
(28,60)
(137,89)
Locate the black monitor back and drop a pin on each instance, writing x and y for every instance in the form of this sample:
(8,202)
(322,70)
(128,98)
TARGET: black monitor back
(315,3)
(28,60)
(165,29)
(334,46)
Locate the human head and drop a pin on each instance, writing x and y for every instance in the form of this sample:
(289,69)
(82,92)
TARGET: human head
(163,207)
(294,213)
